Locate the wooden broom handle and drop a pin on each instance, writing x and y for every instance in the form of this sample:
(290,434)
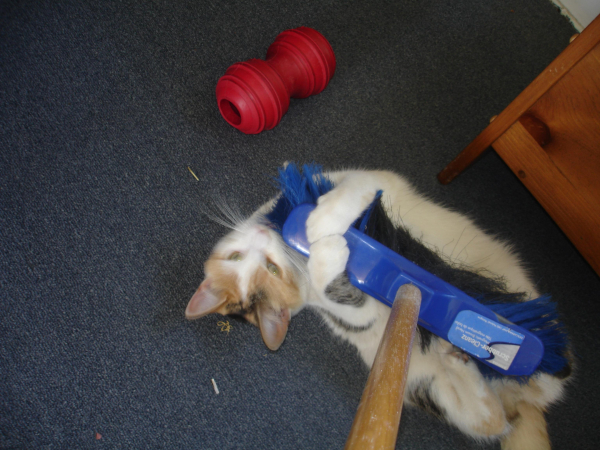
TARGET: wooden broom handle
(375,425)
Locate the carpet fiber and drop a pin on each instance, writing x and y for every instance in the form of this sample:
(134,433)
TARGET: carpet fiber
(105,105)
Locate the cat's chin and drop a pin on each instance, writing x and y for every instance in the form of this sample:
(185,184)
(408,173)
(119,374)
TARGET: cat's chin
(250,318)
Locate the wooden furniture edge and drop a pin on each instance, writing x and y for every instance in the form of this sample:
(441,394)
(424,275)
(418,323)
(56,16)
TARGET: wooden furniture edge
(575,214)
(561,65)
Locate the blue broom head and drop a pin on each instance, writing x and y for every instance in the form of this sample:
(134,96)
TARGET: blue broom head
(297,186)
(305,185)
(539,316)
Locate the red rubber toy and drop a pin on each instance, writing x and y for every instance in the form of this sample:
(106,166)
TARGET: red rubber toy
(254,95)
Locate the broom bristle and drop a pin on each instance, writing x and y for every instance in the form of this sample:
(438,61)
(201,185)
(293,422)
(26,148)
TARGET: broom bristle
(540,317)
(297,187)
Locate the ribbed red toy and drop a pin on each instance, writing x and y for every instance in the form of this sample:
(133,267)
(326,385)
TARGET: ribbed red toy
(254,95)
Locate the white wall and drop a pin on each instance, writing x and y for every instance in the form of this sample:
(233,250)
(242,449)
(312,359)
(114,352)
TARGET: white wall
(581,12)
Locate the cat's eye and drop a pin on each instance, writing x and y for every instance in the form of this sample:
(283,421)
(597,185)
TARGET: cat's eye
(273,269)
(235,256)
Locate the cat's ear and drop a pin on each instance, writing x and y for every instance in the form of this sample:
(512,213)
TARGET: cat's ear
(273,325)
(203,302)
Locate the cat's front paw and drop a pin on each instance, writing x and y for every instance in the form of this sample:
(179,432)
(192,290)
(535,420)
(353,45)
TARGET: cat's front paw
(339,208)
(333,215)
(328,258)
(326,219)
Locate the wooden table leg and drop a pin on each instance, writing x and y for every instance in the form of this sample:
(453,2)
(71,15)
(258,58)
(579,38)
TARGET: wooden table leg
(463,160)
(376,422)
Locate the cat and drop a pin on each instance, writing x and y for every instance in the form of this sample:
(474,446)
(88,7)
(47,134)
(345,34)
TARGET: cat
(252,273)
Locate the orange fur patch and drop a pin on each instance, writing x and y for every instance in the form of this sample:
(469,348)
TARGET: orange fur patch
(223,282)
(282,292)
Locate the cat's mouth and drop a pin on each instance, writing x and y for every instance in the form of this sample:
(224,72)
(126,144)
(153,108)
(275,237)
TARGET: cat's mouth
(247,309)
(250,304)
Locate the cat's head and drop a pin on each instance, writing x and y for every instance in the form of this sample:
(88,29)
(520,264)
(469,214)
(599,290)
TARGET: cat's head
(252,273)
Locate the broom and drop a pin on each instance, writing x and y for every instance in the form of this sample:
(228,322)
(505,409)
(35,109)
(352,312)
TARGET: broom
(505,335)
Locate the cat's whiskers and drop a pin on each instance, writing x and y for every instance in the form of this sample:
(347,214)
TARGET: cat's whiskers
(443,253)
(297,261)
(455,245)
(464,248)
(223,213)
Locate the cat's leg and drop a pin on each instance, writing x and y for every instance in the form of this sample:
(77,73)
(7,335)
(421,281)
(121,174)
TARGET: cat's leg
(441,382)
(341,206)
(328,258)
(334,214)
(334,293)
(349,312)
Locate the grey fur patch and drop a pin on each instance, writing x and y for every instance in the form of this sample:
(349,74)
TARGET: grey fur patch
(341,291)
(345,325)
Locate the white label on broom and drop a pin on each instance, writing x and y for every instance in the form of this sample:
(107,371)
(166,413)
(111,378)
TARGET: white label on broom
(485,338)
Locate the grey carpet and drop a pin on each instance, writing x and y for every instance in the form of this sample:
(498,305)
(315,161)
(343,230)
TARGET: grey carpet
(104,105)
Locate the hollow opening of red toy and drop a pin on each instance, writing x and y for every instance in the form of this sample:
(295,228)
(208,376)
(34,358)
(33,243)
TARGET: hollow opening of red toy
(230,112)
